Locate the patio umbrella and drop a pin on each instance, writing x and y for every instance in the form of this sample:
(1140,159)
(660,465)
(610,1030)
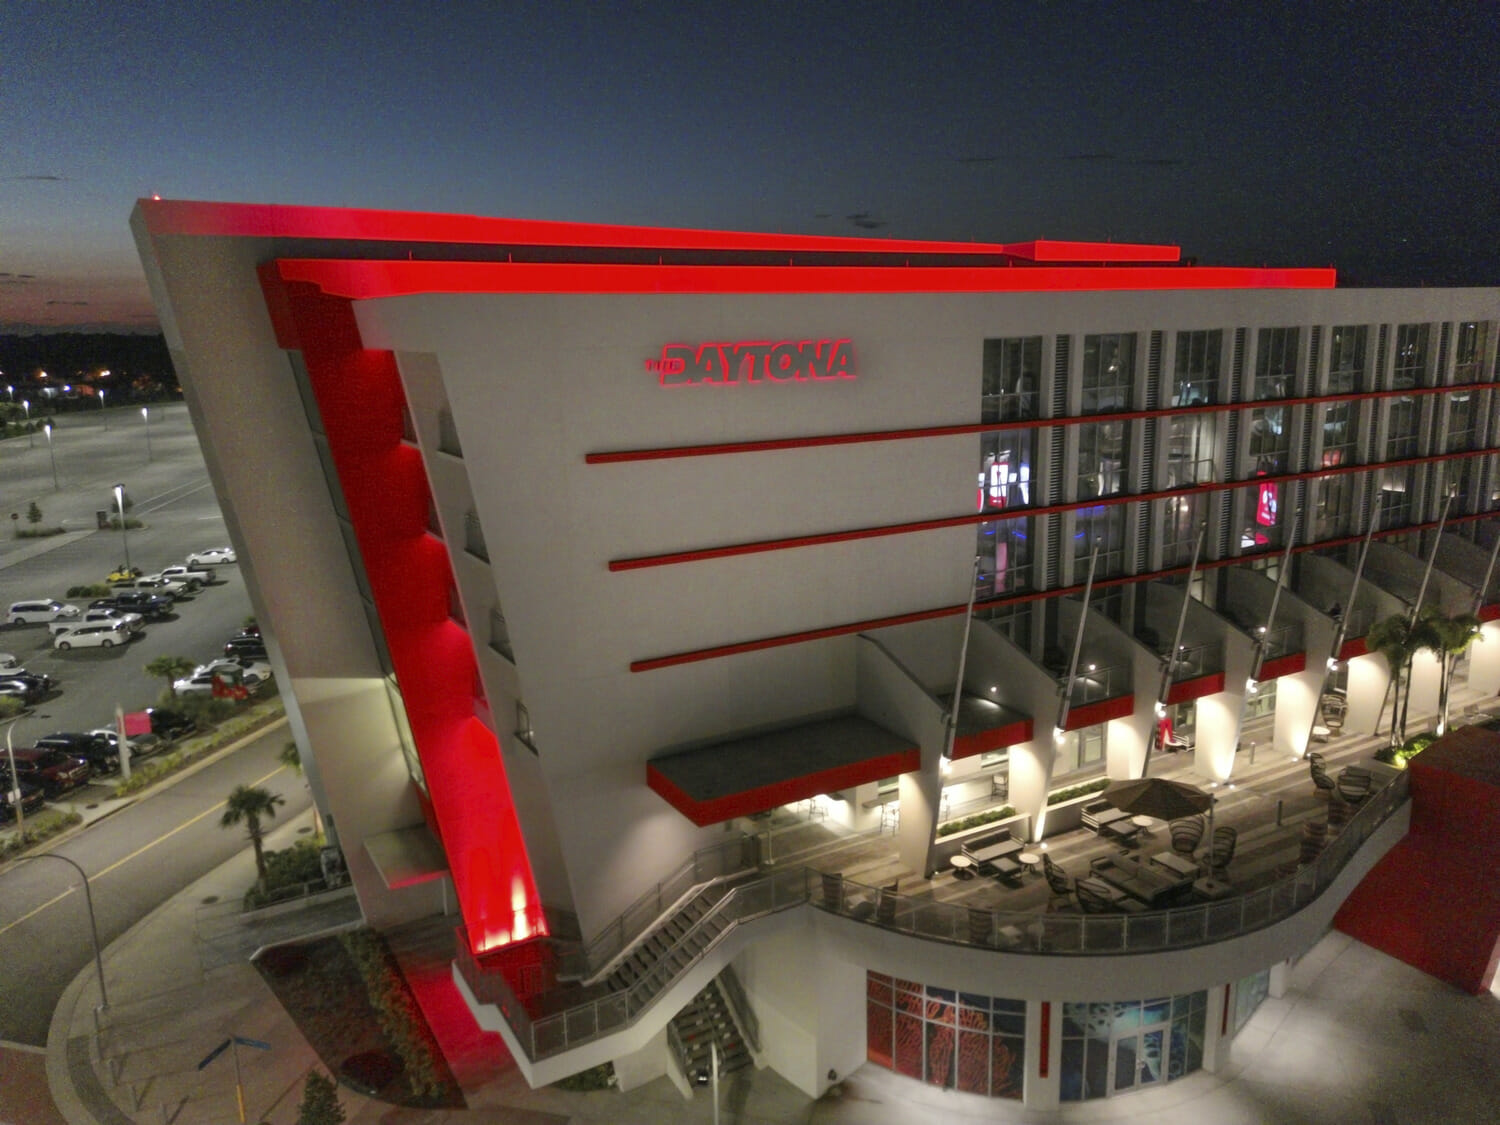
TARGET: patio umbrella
(1158,797)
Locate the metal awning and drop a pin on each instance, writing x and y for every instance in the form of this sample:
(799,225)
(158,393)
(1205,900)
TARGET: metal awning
(984,725)
(406,857)
(751,774)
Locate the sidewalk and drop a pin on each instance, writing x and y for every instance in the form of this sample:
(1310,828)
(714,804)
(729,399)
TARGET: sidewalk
(1358,1037)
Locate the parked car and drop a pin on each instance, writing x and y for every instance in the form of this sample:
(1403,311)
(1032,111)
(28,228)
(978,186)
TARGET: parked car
(132,621)
(98,753)
(25,687)
(8,660)
(169,724)
(141,745)
(193,577)
(135,601)
(212,556)
(155,584)
(32,796)
(97,634)
(57,773)
(40,610)
(250,671)
(246,646)
(123,573)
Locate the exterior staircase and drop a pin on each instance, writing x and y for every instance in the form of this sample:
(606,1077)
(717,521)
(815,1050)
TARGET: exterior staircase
(706,1021)
(671,945)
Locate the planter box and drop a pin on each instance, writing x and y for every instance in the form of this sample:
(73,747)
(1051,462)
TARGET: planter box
(1067,815)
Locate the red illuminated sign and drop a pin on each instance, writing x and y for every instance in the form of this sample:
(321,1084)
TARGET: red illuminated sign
(753,361)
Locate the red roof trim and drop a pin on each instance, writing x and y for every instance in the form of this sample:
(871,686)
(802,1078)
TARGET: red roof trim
(1092,714)
(366,279)
(1044,250)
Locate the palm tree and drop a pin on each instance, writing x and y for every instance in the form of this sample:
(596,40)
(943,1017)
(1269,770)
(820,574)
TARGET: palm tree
(1447,638)
(1392,638)
(170,668)
(291,758)
(249,803)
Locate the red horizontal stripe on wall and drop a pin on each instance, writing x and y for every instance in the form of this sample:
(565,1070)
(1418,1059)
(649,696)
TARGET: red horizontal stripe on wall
(1286,665)
(982,742)
(1187,690)
(939,523)
(1092,714)
(1350,649)
(766,445)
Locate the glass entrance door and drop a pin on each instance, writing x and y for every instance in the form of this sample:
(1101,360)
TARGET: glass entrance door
(1137,1059)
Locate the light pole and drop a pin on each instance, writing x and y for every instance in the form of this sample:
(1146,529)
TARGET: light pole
(30,437)
(15,780)
(146,414)
(103,415)
(124,538)
(52,453)
(88,897)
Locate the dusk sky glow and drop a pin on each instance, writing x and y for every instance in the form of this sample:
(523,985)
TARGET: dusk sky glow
(1362,136)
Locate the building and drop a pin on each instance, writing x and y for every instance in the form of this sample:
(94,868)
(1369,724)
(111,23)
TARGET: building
(575,546)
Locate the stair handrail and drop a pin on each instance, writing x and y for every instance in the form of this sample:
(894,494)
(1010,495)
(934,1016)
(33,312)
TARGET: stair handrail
(679,1050)
(640,915)
(739,1006)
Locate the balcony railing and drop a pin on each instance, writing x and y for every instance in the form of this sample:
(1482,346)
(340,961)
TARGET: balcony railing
(1095,684)
(1008,931)
(1193,661)
(1182,473)
(1284,639)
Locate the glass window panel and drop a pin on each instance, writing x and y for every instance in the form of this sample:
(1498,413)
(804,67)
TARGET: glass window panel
(909,1045)
(1071,1075)
(1468,358)
(1012,369)
(1103,448)
(1340,434)
(1410,369)
(1004,479)
(1075,1019)
(1276,362)
(1127,1016)
(1108,372)
(939,1050)
(878,988)
(1196,378)
(1270,439)
(879,1032)
(1156,1011)
(1125,1063)
(1346,359)
(974,1062)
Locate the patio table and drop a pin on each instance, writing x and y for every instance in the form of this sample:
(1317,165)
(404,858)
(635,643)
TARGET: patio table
(992,852)
(1177,863)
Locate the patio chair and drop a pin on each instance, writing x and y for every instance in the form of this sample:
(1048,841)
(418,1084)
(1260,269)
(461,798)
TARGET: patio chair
(1324,783)
(1094,897)
(1338,811)
(1314,839)
(1221,851)
(1315,760)
(1058,881)
(885,909)
(981,926)
(1354,784)
(1187,834)
(833,891)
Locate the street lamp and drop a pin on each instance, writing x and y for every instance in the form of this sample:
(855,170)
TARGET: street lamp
(15,778)
(88,898)
(52,453)
(146,414)
(124,538)
(101,407)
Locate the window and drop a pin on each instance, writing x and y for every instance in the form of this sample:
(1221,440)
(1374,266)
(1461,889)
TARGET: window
(1123,1045)
(1101,459)
(1012,621)
(1103,526)
(1004,469)
(1402,429)
(1395,496)
(1270,440)
(1263,528)
(1196,377)
(1012,369)
(523,731)
(1262,701)
(1108,372)
(1080,749)
(1181,517)
(1468,357)
(1411,356)
(1190,443)
(1340,437)
(1004,551)
(1461,416)
(1346,359)
(1333,505)
(956,1040)
(1276,362)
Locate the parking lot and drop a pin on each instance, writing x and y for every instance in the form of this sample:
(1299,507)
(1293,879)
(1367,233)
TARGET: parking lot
(172,497)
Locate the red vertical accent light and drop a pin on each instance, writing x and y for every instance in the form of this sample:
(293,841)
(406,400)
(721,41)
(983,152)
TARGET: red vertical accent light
(1046,1052)
(385,488)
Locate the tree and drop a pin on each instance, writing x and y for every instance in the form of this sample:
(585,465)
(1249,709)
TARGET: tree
(170,668)
(320,1102)
(247,804)
(33,514)
(1447,638)
(1391,637)
(291,758)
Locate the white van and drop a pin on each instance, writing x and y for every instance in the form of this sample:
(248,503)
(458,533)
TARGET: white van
(39,610)
(96,634)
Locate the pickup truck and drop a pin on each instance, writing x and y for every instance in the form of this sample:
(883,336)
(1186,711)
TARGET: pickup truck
(155,584)
(132,621)
(191,576)
(135,601)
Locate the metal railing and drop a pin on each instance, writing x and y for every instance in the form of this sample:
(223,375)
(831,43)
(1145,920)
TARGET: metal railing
(1095,684)
(1193,661)
(1008,931)
(1283,639)
(739,1004)
(1182,472)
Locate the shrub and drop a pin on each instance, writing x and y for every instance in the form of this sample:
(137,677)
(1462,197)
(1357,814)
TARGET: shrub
(33,514)
(243,723)
(600,1077)
(320,1102)
(400,1017)
(10,706)
(131,523)
(42,826)
(1077,791)
(91,590)
(1411,748)
(291,867)
(989,816)
(37,532)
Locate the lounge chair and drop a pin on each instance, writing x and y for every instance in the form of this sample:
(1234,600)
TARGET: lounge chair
(1354,784)
(1187,834)
(1324,783)
(1058,881)
(1221,851)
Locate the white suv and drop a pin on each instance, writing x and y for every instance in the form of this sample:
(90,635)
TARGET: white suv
(97,634)
(47,609)
(132,621)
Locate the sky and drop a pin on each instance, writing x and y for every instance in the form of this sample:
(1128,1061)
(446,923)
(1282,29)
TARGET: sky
(1365,136)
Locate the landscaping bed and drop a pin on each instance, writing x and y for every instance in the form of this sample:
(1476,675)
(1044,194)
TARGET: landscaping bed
(347,996)
(251,719)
